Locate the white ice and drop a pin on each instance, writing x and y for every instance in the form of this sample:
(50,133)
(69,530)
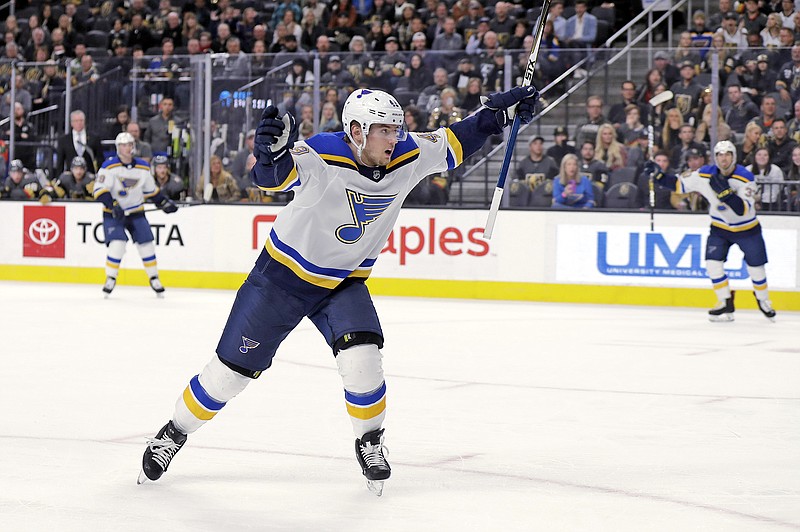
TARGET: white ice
(501,417)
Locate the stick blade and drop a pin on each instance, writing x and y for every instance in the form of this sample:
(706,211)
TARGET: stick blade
(661,97)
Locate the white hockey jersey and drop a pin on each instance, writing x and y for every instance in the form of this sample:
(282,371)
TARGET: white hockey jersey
(129,184)
(722,216)
(343,213)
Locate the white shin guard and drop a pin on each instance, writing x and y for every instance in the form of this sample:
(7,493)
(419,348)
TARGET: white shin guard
(147,251)
(365,391)
(206,394)
(758,275)
(716,270)
(114,253)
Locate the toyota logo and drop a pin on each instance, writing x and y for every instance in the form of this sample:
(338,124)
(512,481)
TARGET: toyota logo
(44,231)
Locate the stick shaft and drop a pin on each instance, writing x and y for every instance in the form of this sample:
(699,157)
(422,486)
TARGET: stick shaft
(512,137)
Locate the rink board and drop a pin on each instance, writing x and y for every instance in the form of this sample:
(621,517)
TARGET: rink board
(597,257)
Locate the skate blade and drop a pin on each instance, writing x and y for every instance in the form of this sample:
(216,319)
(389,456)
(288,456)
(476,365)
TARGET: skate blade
(375,486)
(142,478)
(160,295)
(722,318)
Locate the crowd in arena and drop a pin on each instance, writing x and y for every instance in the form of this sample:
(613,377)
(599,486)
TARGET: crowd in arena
(437,57)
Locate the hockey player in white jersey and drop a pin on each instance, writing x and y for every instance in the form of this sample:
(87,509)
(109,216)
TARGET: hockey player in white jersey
(730,190)
(122,185)
(348,190)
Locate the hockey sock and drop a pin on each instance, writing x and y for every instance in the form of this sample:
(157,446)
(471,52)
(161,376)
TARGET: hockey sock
(758,274)
(147,250)
(719,279)
(364,387)
(114,253)
(206,394)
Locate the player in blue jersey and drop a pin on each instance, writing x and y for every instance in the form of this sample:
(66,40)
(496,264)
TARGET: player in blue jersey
(731,191)
(123,184)
(348,189)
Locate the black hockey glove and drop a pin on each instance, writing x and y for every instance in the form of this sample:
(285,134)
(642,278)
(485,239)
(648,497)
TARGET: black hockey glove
(167,205)
(117,211)
(719,184)
(652,168)
(519,100)
(274,136)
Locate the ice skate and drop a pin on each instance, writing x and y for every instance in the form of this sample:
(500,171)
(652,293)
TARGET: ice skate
(156,285)
(109,285)
(160,452)
(765,307)
(723,311)
(370,454)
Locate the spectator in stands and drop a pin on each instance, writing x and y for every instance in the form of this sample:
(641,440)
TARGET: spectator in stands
(677,159)
(337,78)
(312,30)
(503,23)
(141,149)
(171,185)
(764,78)
(703,133)
(191,28)
(467,25)
(282,7)
(716,19)
(238,166)
(580,31)
(671,130)
(572,189)
(552,60)
(446,113)
(78,142)
(769,112)
(687,91)
(359,60)
(686,52)
(448,42)
(663,197)
(521,31)
(794,124)
(766,172)
(792,195)
(590,166)
(788,83)
(783,54)
(411,117)
(24,133)
(329,121)
(139,34)
(159,128)
(670,74)
(53,85)
(787,13)
(343,16)
(754,138)
(587,130)
(391,65)
(560,145)
(639,153)
(120,123)
(733,35)
(173,29)
(495,79)
(384,11)
(237,64)
(652,80)
(536,167)
(617,115)
(472,100)
(76,183)
(739,110)
(221,188)
(429,98)
(484,41)
(753,20)
(608,149)
(220,41)
(37,40)
(630,129)
(290,50)
(22,96)
(701,33)
(781,144)
(770,35)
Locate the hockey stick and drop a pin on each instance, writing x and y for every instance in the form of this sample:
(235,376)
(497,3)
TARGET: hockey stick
(655,101)
(512,136)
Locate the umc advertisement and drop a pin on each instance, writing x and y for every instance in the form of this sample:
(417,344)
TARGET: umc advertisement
(214,246)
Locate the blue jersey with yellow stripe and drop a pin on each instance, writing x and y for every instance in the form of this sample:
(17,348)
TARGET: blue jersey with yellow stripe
(343,212)
(723,217)
(130,184)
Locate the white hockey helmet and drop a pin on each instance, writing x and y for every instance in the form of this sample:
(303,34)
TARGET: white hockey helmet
(368,107)
(124,138)
(725,146)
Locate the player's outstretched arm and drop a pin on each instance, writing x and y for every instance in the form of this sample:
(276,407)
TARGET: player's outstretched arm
(498,111)
(275,136)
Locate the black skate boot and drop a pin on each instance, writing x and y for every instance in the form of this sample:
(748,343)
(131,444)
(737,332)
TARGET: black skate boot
(765,307)
(160,452)
(370,454)
(156,285)
(109,285)
(723,311)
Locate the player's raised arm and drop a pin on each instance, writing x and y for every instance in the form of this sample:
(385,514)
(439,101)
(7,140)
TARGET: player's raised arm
(271,165)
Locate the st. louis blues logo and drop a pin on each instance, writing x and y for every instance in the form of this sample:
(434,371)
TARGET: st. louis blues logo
(365,210)
(247,345)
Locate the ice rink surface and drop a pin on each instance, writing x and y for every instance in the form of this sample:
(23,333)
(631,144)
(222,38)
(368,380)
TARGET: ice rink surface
(501,417)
